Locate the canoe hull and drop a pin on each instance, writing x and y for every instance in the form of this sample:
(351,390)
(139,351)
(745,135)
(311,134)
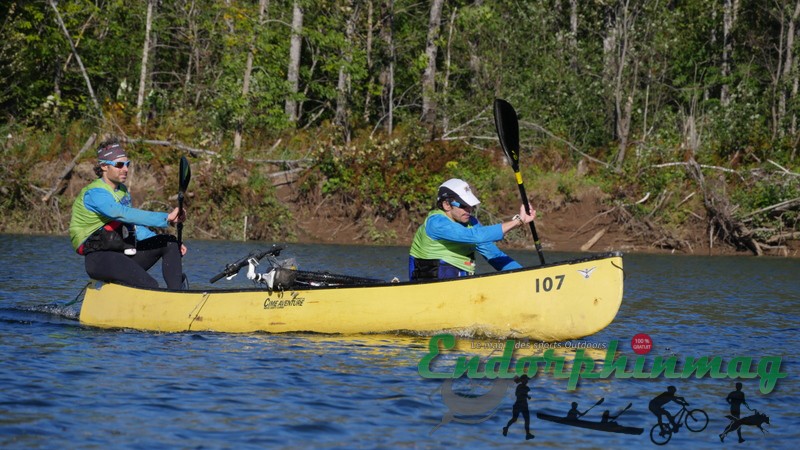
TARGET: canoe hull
(608,427)
(550,303)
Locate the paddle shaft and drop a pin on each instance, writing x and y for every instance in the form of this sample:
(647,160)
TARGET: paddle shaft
(527,206)
(180,224)
(590,408)
(184,175)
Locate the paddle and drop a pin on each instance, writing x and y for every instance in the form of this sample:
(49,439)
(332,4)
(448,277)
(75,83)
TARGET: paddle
(505,120)
(599,402)
(184,175)
(625,409)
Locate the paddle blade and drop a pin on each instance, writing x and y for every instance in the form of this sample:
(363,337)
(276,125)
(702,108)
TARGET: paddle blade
(185,174)
(507,124)
(600,402)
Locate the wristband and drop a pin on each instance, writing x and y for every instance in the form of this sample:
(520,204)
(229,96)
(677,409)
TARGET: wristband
(517,217)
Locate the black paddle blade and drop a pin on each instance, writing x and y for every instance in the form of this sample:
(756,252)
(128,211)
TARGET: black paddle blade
(185,175)
(505,120)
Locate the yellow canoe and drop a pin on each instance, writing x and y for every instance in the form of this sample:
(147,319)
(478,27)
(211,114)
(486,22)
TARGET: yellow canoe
(555,302)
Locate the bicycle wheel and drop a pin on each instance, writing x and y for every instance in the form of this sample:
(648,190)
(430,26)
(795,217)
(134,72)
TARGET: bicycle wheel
(660,434)
(696,420)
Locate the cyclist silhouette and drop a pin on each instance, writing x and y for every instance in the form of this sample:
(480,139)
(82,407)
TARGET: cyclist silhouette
(656,406)
(521,406)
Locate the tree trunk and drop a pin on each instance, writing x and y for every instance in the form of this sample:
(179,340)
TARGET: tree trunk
(77,59)
(729,9)
(145,53)
(371,80)
(573,33)
(248,70)
(387,69)
(624,89)
(293,72)
(446,78)
(343,85)
(429,76)
(788,66)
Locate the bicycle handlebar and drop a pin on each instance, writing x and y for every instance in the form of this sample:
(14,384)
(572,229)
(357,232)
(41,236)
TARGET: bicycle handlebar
(233,268)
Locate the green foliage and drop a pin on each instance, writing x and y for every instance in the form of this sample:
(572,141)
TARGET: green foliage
(570,86)
(234,192)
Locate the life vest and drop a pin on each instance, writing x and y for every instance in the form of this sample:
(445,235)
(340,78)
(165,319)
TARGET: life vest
(84,222)
(457,254)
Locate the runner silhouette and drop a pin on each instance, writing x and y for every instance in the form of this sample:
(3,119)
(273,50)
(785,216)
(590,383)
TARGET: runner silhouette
(521,406)
(736,399)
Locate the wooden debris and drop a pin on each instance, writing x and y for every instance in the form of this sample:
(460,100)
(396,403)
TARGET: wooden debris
(585,247)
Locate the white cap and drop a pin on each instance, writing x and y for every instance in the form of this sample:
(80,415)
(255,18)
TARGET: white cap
(459,190)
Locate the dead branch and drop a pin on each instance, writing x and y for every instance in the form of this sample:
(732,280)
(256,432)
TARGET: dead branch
(592,220)
(568,144)
(782,237)
(783,169)
(593,240)
(193,151)
(285,177)
(662,198)
(67,170)
(704,166)
(293,163)
(720,215)
(782,206)
(63,27)
(685,199)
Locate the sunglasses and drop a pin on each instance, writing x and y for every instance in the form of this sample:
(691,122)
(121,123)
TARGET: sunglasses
(117,164)
(456,204)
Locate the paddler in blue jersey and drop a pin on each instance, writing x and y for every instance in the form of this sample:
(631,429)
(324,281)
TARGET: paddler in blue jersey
(114,237)
(444,246)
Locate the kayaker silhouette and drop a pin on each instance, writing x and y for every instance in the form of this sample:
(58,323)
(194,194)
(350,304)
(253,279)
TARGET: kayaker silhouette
(521,406)
(574,413)
(608,418)
(607,424)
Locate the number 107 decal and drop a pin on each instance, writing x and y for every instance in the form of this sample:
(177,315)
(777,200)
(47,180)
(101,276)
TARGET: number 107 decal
(547,284)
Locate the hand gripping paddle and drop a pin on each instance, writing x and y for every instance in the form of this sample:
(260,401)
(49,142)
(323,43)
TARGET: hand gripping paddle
(505,120)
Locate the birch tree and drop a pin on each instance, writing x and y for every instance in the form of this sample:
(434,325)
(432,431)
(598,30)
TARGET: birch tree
(789,69)
(343,83)
(729,11)
(262,9)
(623,68)
(63,27)
(145,54)
(388,60)
(293,71)
(429,76)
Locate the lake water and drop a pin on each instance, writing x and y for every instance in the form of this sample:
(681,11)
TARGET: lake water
(65,385)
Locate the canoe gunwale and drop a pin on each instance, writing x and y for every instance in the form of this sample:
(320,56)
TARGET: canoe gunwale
(593,257)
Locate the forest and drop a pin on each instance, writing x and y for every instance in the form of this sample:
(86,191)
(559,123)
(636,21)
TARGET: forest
(683,113)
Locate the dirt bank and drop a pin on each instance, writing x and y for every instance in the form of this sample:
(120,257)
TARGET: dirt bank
(585,224)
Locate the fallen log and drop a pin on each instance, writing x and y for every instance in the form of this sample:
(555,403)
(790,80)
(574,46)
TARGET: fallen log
(67,170)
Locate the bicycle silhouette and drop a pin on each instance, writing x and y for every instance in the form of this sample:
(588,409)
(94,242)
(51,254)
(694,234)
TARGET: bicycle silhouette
(695,420)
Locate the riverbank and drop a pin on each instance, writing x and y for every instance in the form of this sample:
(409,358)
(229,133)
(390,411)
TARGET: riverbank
(240,200)
(584,225)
